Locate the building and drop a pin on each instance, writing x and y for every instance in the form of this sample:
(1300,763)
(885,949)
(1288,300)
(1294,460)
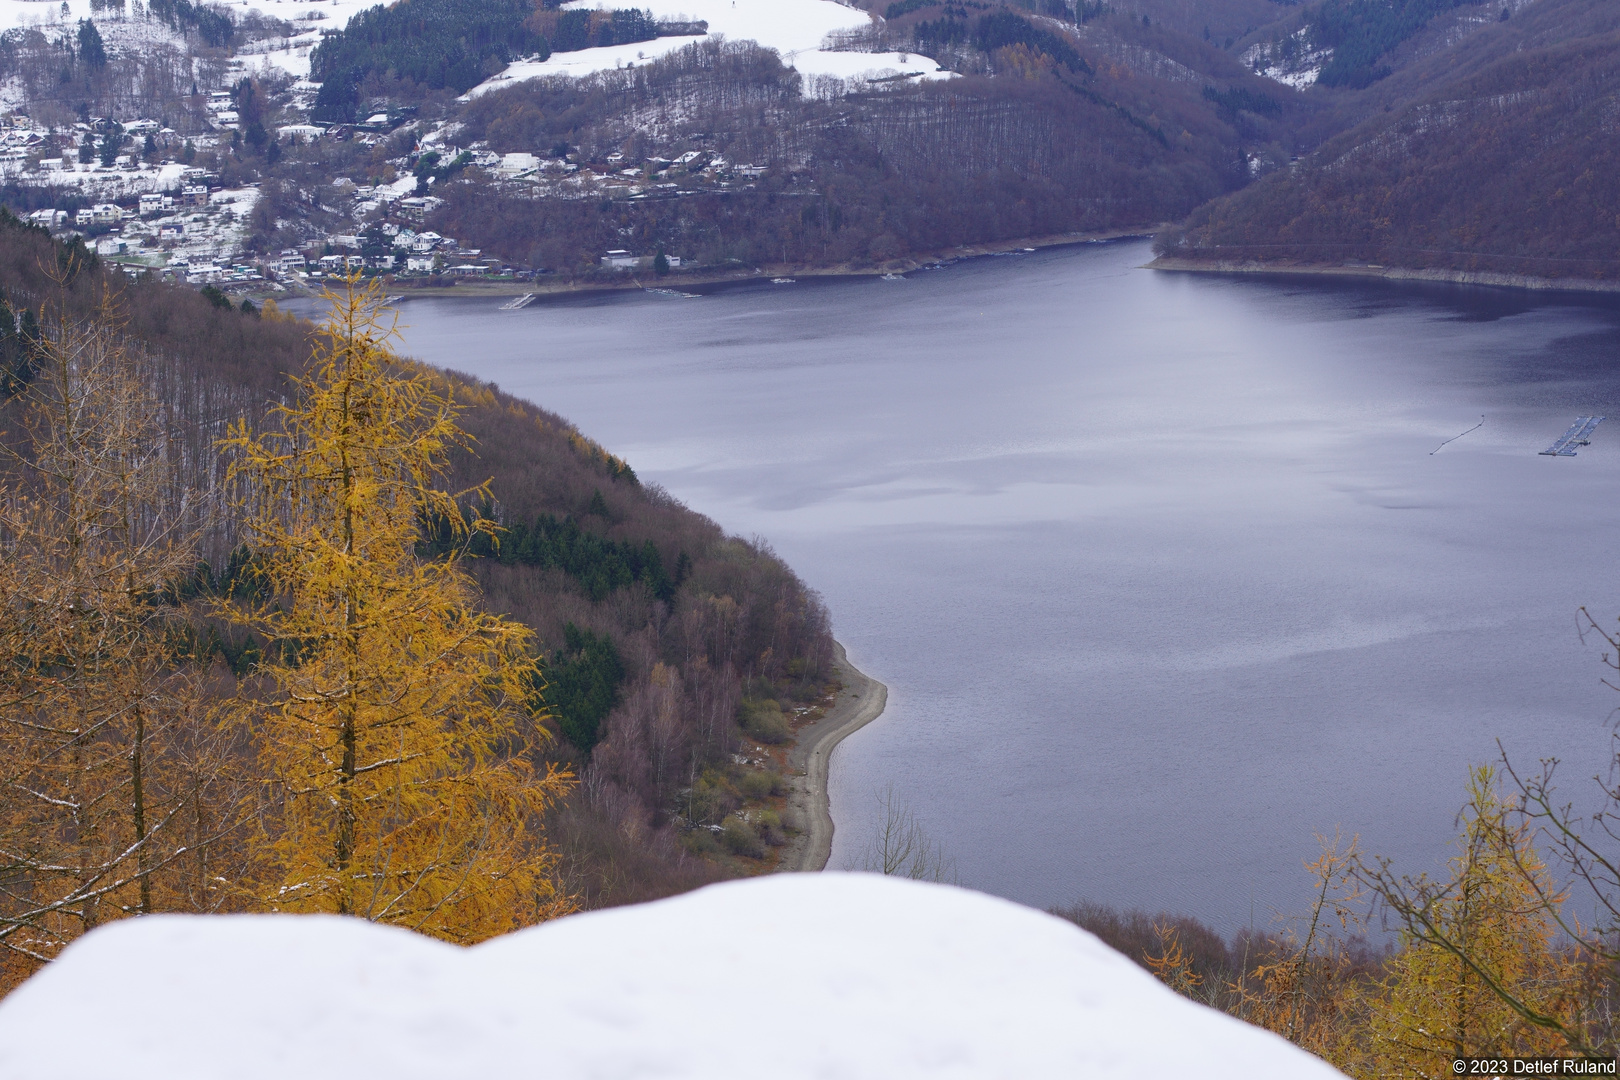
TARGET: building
(290,261)
(621,260)
(155,204)
(418,207)
(193,195)
(419,263)
(99,214)
(516,165)
(340,264)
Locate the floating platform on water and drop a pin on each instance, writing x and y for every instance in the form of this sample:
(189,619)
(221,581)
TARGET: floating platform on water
(520,302)
(1579,434)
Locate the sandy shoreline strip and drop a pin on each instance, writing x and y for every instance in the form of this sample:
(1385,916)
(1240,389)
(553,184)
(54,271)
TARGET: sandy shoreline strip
(859,703)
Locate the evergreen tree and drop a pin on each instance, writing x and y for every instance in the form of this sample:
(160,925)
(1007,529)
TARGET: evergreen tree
(91,49)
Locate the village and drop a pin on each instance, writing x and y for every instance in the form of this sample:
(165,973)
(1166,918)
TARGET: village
(141,199)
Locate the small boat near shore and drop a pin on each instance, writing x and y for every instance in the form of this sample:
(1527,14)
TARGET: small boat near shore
(783,281)
(894,277)
(518,303)
(673,294)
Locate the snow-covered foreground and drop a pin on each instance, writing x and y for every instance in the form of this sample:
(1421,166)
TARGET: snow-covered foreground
(814,975)
(794,28)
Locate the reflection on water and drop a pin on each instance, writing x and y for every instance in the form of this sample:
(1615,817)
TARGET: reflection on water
(1160,570)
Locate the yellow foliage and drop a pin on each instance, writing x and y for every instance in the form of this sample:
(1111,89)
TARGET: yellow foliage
(103,743)
(1173,965)
(397,738)
(1303,995)
(1478,973)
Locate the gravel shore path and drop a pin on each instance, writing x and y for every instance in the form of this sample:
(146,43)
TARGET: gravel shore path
(859,703)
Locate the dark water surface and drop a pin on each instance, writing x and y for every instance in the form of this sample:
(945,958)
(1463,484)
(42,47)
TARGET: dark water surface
(1159,569)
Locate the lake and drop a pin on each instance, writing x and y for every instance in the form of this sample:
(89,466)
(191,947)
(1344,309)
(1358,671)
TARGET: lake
(1161,570)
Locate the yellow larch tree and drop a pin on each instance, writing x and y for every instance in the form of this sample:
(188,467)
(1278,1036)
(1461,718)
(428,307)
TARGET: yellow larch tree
(1480,971)
(106,748)
(398,740)
(1303,991)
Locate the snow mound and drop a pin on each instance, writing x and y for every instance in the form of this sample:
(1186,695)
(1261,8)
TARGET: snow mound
(830,976)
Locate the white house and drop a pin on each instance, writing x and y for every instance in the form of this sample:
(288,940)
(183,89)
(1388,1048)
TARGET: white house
(516,164)
(99,214)
(290,260)
(421,263)
(620,259)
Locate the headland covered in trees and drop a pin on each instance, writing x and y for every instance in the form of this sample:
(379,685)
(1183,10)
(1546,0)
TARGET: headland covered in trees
(253,659)
(1485,155)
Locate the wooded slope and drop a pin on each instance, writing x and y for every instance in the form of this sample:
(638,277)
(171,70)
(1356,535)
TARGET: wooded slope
(1504,160)
(655,624)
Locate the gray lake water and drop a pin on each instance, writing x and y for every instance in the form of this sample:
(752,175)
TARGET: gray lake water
(1159,569)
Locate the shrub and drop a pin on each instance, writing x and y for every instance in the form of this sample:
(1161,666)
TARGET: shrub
(740,838)
(763,720)
(770,828)
(700,842)
(759,785)
(712,798)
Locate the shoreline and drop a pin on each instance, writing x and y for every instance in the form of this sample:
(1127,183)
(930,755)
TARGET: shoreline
(1370,271)
(675,281)
(861,699)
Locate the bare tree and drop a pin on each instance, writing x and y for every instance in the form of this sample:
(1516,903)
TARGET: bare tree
(901,847)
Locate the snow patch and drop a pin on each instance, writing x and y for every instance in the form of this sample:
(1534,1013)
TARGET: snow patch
(794,28)
(845,976)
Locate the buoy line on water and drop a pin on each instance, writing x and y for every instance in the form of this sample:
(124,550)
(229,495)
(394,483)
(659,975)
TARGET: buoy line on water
(1454,438)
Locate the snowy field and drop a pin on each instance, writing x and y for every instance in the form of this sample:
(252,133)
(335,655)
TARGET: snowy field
(100,183)
(794,28)
(291,54)
(830,976)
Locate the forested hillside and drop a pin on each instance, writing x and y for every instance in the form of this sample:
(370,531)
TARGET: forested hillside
(1502,159)
(1045,135)
(649,632)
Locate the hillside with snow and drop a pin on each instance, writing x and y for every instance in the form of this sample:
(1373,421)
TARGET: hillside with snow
(846,976)
(797,29)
